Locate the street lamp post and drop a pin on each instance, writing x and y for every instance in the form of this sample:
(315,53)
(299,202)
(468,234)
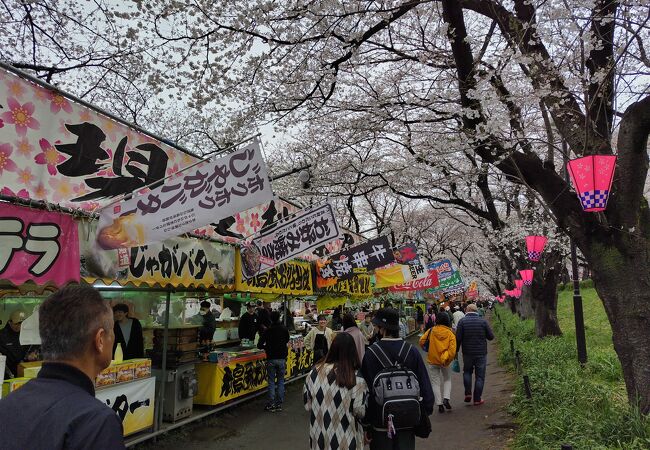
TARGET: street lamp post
(578,314)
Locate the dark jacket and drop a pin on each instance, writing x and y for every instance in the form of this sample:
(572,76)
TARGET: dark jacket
(274,341)
(371,366)
(58,410)
(248,326)
(206,332)
(472,333)
(11,348)
(263,319)
(135,349)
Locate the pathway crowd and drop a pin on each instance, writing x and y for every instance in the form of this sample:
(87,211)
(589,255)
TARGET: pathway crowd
(368,387)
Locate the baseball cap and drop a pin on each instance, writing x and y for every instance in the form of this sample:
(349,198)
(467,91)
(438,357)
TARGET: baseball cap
(387,318)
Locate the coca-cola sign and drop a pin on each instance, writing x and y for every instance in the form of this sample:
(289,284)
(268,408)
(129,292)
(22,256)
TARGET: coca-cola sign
(428,282)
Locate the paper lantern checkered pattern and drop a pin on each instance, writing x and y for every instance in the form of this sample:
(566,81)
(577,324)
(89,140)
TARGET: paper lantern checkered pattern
(535,246)
(527,276)
(592,178)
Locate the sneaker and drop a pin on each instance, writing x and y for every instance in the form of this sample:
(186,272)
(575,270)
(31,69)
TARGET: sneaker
(446,403)
(480,402)
(468,398)
(269,407)
(441,409)
(277,407)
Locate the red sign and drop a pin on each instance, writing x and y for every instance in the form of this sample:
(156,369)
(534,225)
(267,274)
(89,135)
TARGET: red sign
(430,281)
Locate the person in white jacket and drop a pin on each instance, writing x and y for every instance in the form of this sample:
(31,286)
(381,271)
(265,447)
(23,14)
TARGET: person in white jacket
(319,339)
(458,314)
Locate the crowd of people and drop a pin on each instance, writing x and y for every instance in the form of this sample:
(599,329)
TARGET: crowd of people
(368,385)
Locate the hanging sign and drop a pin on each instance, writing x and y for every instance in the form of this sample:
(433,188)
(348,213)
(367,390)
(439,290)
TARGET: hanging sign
(133,403)
(396,274)
(454,282)
(367,256)
(358,286)
(37,245)
(407,254)
(443,267)
(430,281)
(287,239)
(291,277)
(177,262)
(190,200)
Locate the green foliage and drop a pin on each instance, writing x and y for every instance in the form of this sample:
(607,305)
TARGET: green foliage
(585,407)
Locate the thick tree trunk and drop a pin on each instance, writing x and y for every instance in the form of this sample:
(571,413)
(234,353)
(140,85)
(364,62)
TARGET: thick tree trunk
(525,307)
(544,294)
(622,280)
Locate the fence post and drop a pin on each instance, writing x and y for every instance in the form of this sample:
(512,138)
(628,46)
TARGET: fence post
(567,447)
(518,361)
(512,346)
(529,393)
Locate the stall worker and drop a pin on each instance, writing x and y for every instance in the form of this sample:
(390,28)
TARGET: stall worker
(366,327)
(10,344)
(128,333)
(319,339)
(248,323)
(209,325)
(58,410)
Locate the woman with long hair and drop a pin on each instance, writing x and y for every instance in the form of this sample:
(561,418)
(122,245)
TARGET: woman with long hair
(334,391)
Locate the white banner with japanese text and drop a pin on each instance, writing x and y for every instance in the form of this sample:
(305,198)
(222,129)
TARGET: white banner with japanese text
(289,238)
(189,200)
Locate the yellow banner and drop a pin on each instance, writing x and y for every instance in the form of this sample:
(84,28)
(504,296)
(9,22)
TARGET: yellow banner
(392,275)
(133,402)
(220,384)
(291,277)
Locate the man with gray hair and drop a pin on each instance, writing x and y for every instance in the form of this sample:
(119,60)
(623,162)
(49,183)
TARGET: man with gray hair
(58,409)
(472,334)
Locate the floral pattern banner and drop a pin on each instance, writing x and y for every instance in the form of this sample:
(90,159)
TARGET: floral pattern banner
(59,151)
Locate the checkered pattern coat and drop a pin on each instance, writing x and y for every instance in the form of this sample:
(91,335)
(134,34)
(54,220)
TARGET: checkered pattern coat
(335,412)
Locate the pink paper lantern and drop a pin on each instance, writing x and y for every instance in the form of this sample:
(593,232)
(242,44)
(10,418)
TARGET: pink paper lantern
(516,293)
(519,284)
(527,276)
(592,178)
(535,246)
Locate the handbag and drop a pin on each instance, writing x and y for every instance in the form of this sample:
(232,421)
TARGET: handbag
(423,429)
(455,366)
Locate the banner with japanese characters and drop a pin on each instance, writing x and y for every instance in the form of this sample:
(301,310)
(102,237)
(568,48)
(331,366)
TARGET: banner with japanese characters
(428,282)
(291,277)
(358,285)
(453,282)
(396,274)
(133,403)
(177,262)
(189,200)
(55,149)
(289,238)
(361,258)
(443,267)
(37,245)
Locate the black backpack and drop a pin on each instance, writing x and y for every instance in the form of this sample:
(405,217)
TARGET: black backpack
(396,390)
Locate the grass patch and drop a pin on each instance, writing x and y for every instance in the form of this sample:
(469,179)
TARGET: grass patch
(584,407)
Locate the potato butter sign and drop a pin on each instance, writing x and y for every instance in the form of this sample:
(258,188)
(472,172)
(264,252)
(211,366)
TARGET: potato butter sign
(133,403)
(37,245)
(192,199)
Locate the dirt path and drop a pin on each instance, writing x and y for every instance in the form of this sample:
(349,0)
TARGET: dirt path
(249,427)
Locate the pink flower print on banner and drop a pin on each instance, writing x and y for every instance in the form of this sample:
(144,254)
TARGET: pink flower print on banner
(16,88)
(25,176)
(58,103)
(20,194)
(255,222)
(5,159)
(49,156)
(85,115)
(80,190)
(42,94)
(2,124)
(24,147)
(63,129)
(21,116)
(241,224)
(172,170)
(62,189)
(40,193)
(87,206)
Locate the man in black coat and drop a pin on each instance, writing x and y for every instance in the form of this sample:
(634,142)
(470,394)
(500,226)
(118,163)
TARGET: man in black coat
(58,409)
(274,341)
(472,334)
(10,342)
(248,323)
(209,325)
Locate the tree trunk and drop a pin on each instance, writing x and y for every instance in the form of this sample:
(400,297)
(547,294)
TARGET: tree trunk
(544,294)
(525,308)
(622,280)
